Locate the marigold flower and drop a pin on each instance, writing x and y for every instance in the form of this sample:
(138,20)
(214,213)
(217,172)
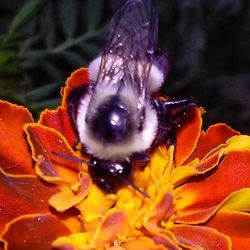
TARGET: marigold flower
(199,189)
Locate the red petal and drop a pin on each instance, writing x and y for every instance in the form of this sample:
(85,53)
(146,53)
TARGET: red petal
(203,195)
(187,135)
(199,237)
(77,79)
(15,157)
(22,195)
(234,224)
(44,141)
(35,232)
(60,120)
(215,135)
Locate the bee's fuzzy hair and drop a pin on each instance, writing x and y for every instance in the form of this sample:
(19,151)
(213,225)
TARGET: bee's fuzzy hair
(155,78)
(138,142)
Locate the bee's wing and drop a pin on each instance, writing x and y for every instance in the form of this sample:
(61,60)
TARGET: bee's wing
(127,58)
(134,30)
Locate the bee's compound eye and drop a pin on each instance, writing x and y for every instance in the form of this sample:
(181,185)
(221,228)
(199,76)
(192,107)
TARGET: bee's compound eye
(112,122)
(104,173)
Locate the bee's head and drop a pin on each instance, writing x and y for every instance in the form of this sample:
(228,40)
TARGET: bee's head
(112,121)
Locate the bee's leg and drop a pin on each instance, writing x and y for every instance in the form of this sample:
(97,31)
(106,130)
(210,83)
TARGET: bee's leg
(73,102)
(170,113)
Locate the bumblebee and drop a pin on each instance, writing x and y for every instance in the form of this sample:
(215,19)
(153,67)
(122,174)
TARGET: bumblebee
(118,115)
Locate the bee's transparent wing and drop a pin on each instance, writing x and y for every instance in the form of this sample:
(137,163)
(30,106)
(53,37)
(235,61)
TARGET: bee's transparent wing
(129,53)
(134,30)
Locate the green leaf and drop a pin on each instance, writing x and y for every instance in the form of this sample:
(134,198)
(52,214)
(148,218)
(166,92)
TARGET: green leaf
(93,13)
(36,55)
(6,56)
(48,25)
(23,16)
(73,58)
(50,104)
(27,43)
(89,49)
(53,71)
(41,92)
(67,14)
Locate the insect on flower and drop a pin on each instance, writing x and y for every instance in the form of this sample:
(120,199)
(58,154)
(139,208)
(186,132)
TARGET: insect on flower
(118,116)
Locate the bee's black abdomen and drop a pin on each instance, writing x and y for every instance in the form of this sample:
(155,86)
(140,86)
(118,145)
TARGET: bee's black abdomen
(108,174)
(112,124)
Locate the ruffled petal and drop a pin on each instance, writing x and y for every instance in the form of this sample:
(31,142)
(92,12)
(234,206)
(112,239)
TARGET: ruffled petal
(77,79)
(115,225)
(214,136)
(181,174)
(44,141)
(234,224)
(239,201)
(23,195)
(60,121)
(71,197)
(187,135)
(142,243)
(33,232)
(73,242)
(168,242)
(199,237)
(161,210)
(15,157)
(203,195)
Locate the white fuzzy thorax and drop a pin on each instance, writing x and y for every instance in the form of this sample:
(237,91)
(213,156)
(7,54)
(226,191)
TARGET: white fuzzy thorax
(138,142)
(155,78)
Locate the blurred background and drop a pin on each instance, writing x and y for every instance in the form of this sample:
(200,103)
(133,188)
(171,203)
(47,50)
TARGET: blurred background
(43,41)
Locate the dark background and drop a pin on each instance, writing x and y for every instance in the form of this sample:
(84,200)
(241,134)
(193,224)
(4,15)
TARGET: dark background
(43,41)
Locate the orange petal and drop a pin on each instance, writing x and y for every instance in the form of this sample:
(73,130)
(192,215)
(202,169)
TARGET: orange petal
(116,248)
(95,206)
(23,195)
(60,120)
(214,136)
(239,201)
(142,243)
(234,224)
(199,237)
(44,141)
(77,241)
(187,135)
(203,195)
(65,200)
(77,79)
(115,223)
(167,242)
(33,232)
(15,157)
(182,173)
(70,198)
(162,210)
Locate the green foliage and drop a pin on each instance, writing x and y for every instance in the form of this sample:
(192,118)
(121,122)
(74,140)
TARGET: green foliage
(44,41)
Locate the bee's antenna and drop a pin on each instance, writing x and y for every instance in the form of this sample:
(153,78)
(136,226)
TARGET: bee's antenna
(133,186)
(69,157)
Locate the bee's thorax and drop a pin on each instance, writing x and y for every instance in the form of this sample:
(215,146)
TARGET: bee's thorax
(112,122)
